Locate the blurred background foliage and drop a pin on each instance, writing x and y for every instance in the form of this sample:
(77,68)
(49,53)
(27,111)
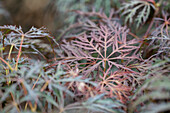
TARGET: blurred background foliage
(55,14)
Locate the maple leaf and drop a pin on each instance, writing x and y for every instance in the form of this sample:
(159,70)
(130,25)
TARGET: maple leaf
(101,48)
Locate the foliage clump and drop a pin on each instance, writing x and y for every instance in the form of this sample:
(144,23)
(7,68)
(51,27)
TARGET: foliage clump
(97,65)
